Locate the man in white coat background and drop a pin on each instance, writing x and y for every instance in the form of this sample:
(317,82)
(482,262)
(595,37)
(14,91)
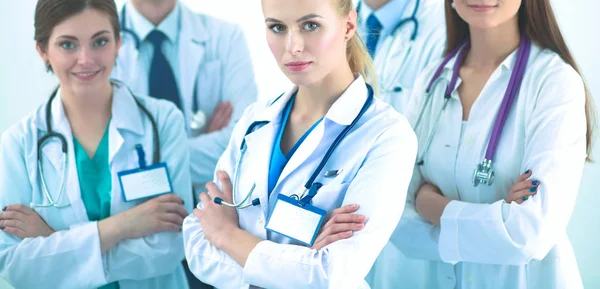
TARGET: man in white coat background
(200,63)
(403,37)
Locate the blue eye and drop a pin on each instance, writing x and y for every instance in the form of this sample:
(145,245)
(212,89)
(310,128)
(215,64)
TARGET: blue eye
(310,26)
(67,45)
(101,42)
(277,28)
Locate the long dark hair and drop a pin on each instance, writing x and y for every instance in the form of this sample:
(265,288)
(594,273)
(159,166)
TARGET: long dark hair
(537,21)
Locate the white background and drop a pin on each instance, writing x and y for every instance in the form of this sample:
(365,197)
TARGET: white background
(24,85)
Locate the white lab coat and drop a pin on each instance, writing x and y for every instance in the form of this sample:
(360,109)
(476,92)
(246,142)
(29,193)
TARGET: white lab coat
(71,257)
(495,244)
(377,158)
(399,60)
(214,60)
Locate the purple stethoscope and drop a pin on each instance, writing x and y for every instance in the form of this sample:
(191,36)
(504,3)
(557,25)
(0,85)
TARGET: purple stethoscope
(484,172)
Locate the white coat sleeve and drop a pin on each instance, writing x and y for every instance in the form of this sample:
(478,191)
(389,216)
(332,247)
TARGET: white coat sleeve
(415,236)
(380,189)
(238,87)
(555,150)
(157,254)
(65,259)
(206,262)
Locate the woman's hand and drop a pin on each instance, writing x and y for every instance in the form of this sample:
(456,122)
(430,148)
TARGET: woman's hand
(430,203)
(218,221)
(162,213)
(23,222)
(341,225)
(221,117)
(523,189)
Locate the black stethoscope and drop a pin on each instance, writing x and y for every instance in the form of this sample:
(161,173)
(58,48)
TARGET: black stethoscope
(311,187)
(64,147)
(412,18)
(198,117)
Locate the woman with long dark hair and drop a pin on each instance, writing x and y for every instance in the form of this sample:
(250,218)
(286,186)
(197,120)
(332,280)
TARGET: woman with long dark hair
(504,124)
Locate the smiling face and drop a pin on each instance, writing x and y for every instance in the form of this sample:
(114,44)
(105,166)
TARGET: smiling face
(307,37)
(82,50)
(486,14)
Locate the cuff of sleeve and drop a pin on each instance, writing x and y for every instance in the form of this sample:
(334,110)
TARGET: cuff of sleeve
(92,259)
(448,241)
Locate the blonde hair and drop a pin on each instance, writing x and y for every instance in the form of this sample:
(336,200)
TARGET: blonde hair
(358,57)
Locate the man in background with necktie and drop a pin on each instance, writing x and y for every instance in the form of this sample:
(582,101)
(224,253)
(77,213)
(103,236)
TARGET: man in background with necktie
(401,50)
(198,62)
(403,37)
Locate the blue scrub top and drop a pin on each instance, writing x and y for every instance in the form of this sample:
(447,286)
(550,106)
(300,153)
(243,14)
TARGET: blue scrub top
(278,159)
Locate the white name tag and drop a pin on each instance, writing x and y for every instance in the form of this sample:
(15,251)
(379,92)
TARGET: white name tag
(143,183)
(290,219)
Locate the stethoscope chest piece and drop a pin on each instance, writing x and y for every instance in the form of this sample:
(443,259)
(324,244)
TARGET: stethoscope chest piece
(198,122)
(483,174)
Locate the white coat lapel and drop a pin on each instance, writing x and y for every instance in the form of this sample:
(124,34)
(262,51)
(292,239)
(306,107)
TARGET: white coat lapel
(191,54)
(52,151)
(341,114)
(128,68)
(126,115)
(260,148)
(258,156)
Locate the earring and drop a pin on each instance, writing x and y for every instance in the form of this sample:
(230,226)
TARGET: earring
(453,5)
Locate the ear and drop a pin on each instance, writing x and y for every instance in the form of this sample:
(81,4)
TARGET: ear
(351,25)
(41,52)
(118,47)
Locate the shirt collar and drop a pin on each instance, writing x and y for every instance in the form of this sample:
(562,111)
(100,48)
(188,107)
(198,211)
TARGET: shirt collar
(389,15)
(125,112)
(343,111)
(507,64)
(123,104)
(142,27)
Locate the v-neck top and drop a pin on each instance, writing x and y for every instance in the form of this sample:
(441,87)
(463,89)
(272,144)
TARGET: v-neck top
(278,158)
(94,179)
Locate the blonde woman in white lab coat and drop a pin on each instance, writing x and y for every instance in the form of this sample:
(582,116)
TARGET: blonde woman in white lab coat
(510,233)
(85,234)
(277,147)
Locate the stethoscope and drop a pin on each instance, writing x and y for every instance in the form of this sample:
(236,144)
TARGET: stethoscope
(198,121)
(484,172)
(311,187)
(64,148)
(388,52)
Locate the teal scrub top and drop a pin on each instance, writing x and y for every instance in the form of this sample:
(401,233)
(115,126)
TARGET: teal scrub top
(278,159)
(95,183)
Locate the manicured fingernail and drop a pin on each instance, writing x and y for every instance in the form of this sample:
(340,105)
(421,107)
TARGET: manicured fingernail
(527,171)
(354,206)
(348,233)
(532,189)
(524,198)
(534,183)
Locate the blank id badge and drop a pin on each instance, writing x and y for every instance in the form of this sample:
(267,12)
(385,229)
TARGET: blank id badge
(293,220)
(145,182)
